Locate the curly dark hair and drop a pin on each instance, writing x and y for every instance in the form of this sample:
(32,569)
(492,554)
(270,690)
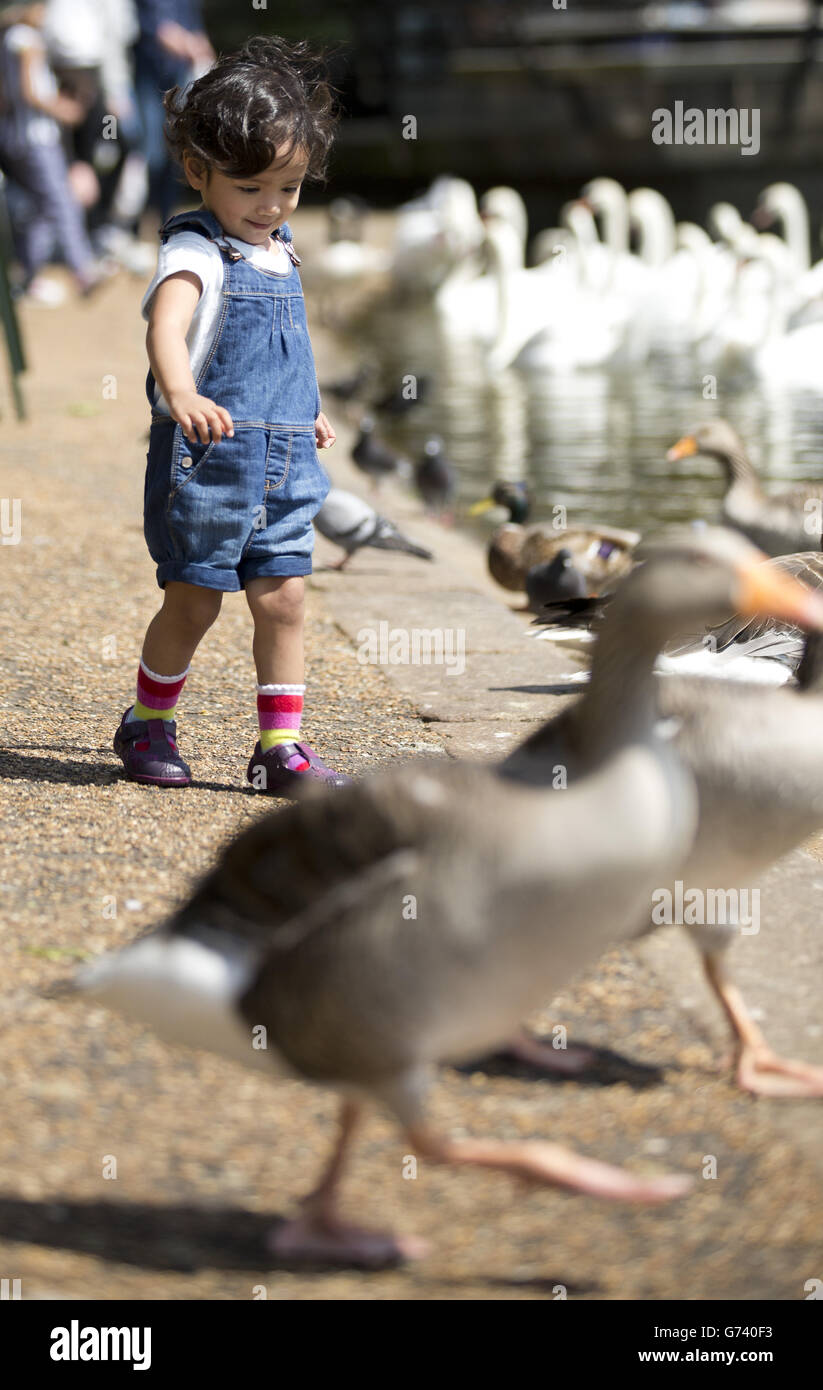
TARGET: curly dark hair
(254,107)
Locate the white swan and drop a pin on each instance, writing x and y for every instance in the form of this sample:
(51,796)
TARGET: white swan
(608,199)
(437,235)
(506,204)
(549,316)
(783,205)
(467,301)
(760,335)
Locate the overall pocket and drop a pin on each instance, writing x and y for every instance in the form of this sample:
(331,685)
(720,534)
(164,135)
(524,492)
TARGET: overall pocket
(188,459)
(278,458)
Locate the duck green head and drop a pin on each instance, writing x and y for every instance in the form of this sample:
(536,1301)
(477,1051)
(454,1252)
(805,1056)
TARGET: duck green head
(515,497)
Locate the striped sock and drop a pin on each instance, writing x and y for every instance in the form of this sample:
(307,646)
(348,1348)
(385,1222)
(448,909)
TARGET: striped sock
(279,711)
(157,696)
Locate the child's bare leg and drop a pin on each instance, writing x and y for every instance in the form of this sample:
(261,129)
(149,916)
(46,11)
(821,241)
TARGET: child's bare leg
(277,608)
(175,632)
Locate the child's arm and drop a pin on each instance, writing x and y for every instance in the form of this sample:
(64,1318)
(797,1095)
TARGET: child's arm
(172,308)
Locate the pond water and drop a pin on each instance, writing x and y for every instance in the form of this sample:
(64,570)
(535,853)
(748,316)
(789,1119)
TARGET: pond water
(594,441)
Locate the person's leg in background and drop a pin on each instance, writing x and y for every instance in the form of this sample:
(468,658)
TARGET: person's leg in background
(56,219)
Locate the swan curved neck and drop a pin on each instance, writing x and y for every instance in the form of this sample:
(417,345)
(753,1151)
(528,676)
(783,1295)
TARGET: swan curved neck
(789,205)
(655,222)
(609,199)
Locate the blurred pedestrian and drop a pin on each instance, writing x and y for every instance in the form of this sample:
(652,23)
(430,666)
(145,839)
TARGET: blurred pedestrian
(89,44)
(172,49)
(32,111)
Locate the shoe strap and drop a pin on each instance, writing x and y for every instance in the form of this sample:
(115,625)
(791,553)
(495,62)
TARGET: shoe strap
(162,731)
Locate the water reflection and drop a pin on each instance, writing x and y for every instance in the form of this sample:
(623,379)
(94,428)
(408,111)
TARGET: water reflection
(594,441)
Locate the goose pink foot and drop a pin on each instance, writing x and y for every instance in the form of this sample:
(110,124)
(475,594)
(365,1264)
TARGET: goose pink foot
(553,1166)
(759,1069)
(764,1073)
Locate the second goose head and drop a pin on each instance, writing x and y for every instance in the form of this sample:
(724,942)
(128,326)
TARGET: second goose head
(717,439)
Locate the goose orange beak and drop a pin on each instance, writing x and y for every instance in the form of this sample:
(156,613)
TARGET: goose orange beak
(683,449)
(765,590)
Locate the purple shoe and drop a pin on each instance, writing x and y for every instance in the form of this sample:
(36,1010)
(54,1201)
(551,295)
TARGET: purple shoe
(149,752)
(282,768)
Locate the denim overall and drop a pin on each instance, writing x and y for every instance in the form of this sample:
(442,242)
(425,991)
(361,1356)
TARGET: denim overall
(222,514)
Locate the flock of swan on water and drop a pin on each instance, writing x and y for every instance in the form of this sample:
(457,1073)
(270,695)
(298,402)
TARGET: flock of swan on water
(617,280)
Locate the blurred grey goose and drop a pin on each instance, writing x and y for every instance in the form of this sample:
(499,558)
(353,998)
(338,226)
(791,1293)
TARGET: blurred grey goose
(757,758)
(300,927)
(304,926)
(771,637)
(781,523)
(762,649)
(352,523)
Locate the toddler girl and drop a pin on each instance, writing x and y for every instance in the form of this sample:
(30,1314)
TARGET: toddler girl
(233,480)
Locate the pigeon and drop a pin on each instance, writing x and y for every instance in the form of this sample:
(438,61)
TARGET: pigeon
(347,387)
(436,478)
(350,522)
(399,400)
(373,457)
(557,579)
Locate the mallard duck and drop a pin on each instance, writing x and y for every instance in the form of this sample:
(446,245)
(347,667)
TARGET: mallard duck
(781,523)
(415,917)
(350,522)
(602,554)
(757,758)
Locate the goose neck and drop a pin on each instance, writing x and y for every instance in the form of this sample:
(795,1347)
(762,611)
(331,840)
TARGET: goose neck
(619,706)
(739,469)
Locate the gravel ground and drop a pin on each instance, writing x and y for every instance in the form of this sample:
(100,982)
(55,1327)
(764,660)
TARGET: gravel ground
(206,1155)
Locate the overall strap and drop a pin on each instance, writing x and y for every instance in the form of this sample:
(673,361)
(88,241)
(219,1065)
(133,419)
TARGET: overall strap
(202,221)
(283,235)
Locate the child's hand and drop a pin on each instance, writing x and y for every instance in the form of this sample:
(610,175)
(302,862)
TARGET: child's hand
(198,415)
(323,432)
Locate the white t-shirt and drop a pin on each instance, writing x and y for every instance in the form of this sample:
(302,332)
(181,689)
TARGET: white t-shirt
(193,252)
